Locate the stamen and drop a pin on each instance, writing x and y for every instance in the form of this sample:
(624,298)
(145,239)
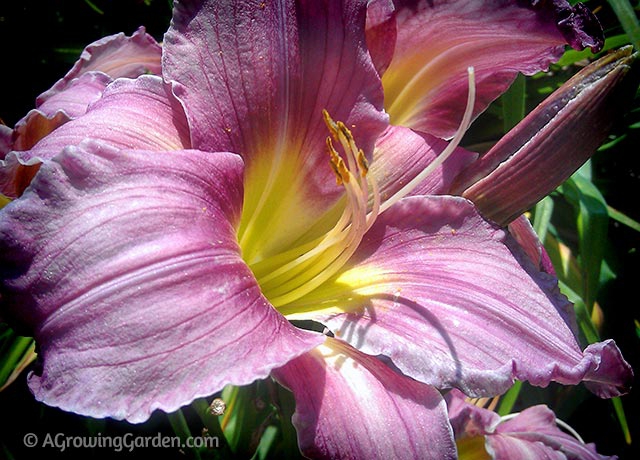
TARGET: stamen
(321,259)
(288,276)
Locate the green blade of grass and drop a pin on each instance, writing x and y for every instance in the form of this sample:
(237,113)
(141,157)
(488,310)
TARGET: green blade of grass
(542,217)
(592,220)
(94,7)
(508,400)
(513,103)
(623,219)
(622,419)
(14,348)
(628,19)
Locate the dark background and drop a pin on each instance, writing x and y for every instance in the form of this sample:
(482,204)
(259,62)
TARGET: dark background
(40,40)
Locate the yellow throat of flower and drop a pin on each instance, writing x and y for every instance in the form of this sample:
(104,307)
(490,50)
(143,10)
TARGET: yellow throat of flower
(291,274)
(298,271)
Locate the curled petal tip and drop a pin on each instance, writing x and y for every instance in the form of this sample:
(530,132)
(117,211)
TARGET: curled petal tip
(553,141)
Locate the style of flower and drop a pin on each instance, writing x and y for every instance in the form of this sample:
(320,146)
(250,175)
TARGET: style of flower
(182,223)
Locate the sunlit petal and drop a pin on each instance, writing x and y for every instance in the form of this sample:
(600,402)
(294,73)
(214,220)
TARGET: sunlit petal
(425,85)
(455,303)
(353,406)
(125,266)
(254,79)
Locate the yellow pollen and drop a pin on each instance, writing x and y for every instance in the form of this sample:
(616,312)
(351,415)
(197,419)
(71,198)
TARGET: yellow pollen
(337,164)
(363,163)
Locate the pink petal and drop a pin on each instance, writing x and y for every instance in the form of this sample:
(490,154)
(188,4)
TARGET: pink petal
(79,93)
(526,237)
(6,135)
(467,419)
(532,434)
(381,32)
(352,406)
(426,84)
(116,56)
(455,303)
(132,114)
(124,266)
(254,79)
(401,154)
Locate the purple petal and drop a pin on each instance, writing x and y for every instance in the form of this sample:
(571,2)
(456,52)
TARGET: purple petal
(577,23)
(132,114)
(401,154)
(77,96)
(435,288)
(116,56)
(381,32)
(254,79)
(533,434)
(426,84)
(6,136)
(468,420)
(124,266)
(352,406)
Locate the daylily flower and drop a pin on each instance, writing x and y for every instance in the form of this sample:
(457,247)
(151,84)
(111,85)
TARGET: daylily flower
(533,433)
(175,230)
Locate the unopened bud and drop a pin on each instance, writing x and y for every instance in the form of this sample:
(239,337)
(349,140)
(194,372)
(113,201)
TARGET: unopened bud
(552,142)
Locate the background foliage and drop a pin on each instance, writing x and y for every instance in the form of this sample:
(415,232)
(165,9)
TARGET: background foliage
(589,226)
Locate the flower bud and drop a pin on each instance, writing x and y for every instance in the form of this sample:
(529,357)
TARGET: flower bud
(552,142)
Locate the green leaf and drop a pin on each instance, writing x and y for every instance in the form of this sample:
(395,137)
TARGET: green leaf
(181,429)
(249,413)
(572,56)
(13,351)
(623,219)
(266,443)
(592,220)
(542,217)
(622,418)
(628,19)
(513,103)
(212,425)
(94,7)
(508,400)
(582,315)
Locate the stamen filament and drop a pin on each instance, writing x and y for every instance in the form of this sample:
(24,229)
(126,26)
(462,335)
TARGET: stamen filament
(453,144)
(335,236)
(558,421)
(308,266)
(288,276)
